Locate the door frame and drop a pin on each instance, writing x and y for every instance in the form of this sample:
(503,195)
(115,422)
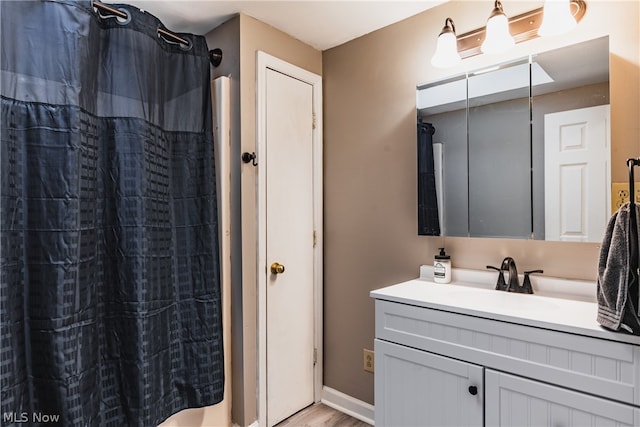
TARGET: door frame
(265,61)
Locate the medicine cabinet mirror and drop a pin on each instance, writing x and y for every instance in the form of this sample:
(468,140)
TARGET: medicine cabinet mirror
(522,150)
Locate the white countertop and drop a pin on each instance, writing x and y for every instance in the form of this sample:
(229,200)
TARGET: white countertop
(559,314)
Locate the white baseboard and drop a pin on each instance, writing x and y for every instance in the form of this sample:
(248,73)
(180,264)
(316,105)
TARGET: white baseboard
(347,404)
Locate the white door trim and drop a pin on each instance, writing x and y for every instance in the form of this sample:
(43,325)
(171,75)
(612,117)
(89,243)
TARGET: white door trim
(265,61)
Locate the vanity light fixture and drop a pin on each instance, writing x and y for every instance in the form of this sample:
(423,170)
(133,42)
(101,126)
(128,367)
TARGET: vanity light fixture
(523,27)
(557,18)
(497,39)
(447,47)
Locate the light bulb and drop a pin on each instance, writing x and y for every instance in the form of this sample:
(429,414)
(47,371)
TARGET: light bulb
(497,36)
(556,18)
(447,47)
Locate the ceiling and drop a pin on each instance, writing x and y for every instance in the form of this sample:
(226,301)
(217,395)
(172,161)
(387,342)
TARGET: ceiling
(322,24)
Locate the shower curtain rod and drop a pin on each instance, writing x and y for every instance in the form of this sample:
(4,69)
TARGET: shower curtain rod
(123,15)
(215,55)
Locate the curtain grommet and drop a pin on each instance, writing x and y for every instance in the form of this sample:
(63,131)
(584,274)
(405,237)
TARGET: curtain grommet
(186,47)
(119,19)
(123,21)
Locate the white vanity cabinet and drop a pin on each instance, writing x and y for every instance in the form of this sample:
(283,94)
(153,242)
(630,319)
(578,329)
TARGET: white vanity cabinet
(439,365)
(417,388)
(516,401)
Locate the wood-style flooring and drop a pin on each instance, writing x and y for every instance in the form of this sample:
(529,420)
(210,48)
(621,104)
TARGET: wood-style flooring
(319,415)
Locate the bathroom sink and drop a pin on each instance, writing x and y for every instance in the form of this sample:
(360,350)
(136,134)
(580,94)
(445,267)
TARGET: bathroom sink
(533,310)
(558,304)
(492,300)
(545,286)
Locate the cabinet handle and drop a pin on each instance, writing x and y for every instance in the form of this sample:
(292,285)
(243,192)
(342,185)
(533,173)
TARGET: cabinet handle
(473,390)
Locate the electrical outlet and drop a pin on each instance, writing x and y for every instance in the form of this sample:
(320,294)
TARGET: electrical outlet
(369,361)
(620,194)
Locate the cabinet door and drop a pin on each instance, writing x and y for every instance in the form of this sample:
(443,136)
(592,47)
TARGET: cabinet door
(514,401)
(417,388)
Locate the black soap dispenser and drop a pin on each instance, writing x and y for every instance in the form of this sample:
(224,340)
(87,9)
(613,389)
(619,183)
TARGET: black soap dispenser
(442,267)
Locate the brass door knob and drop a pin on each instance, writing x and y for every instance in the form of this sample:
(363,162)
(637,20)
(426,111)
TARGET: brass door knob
(277,268)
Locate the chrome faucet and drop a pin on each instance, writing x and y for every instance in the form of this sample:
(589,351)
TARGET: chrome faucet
(508,277)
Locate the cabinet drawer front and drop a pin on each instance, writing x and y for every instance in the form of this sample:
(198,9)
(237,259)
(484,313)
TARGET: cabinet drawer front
(606,368)
(515,401)
(416,388)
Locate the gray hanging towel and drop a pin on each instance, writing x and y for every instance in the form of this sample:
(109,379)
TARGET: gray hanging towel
(617,291)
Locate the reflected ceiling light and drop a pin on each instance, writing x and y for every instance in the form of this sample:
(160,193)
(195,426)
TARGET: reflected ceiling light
(447,47)
(556,18)
(498,39)
(523,27)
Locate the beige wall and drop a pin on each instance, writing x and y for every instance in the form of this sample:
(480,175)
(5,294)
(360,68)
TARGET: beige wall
(240,38)
(370,167)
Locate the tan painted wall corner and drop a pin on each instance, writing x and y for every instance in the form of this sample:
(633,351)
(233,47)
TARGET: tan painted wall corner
(370,166)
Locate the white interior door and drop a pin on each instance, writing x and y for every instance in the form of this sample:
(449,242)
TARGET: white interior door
(290,241)
(577,174)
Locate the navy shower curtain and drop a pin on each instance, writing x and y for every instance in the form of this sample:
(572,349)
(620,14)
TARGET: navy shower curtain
(109,266)
(428,221)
